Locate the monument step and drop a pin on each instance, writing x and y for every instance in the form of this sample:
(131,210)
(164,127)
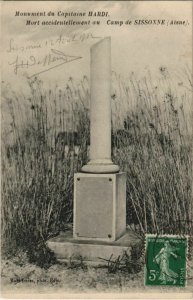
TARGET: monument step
(94,252)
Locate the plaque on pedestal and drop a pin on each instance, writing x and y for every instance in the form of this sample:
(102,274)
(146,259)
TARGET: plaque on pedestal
(99,206)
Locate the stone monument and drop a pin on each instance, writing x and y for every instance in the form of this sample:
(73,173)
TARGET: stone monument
(100,193)
(99,216)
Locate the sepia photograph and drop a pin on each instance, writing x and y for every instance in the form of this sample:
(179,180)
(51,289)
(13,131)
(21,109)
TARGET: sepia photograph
(96,149)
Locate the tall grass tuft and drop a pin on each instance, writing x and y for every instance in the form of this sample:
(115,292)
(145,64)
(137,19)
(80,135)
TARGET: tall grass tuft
(155,149)
(37,182)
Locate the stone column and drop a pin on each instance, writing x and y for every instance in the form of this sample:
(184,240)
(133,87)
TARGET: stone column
(100,110)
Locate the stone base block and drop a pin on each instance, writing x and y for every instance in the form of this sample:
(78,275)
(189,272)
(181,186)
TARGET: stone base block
(66,247)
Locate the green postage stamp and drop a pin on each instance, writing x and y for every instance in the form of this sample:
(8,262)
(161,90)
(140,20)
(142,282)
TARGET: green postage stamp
(166,260)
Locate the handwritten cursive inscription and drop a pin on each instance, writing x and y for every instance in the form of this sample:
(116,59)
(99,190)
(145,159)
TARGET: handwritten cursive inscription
(52,60)
(14,46)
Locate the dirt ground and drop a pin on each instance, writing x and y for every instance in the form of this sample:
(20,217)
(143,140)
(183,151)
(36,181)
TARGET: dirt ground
(18,277)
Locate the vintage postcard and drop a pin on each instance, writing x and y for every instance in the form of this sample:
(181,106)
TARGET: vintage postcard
(96,149)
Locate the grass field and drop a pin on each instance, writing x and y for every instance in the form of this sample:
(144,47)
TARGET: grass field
(152,142)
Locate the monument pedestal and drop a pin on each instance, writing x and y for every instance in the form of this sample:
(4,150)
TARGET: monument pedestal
(99,225)
(66,248)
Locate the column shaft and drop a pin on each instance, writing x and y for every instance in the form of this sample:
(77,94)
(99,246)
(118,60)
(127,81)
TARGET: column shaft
(100,110)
